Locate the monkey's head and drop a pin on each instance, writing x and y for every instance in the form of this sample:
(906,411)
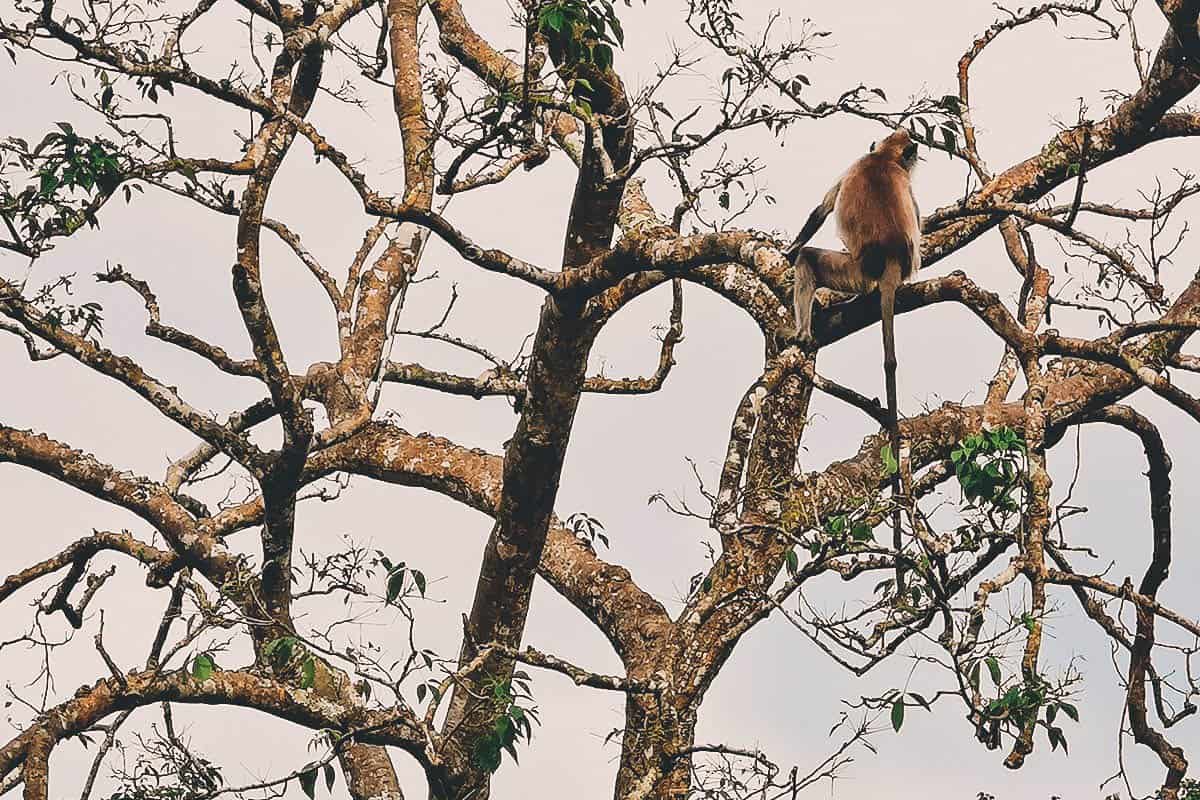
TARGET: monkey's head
(898,147)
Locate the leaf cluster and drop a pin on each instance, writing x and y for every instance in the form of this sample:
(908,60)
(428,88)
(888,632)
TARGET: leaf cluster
(165,770)
(587,528)
(584,31)
(83,319)
(401,579)
(990,467)
(58,183)
(281,652)
(1031,702)
(515,717)
(308,779)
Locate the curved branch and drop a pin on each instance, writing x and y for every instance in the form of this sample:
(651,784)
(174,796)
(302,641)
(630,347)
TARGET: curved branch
(1182,16)
(1140,653)
(1130,126)
(604,592)
(154,327)
(149,500)
(393,727)
(130,373)
(159,561)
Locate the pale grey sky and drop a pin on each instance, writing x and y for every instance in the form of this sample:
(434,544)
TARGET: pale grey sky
(777,692)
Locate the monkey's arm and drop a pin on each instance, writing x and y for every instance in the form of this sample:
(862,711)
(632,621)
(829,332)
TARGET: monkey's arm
(815,220)
(915,244)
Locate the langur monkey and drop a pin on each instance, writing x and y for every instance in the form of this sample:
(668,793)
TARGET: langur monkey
(878,221)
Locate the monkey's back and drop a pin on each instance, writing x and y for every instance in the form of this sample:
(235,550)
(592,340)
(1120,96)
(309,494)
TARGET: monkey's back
(876,216)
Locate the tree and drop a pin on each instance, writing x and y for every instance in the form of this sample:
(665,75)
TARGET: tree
(155,87)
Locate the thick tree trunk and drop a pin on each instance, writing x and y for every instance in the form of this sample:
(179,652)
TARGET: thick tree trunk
(532,467)
(656,733)
(369,773)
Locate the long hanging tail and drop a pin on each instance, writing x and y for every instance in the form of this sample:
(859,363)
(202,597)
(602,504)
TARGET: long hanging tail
(888,282)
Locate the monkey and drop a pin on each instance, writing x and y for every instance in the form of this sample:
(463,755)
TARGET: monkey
(880,225)
(879,222)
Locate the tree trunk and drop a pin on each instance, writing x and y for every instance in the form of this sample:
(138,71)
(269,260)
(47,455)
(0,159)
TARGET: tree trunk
(656,731)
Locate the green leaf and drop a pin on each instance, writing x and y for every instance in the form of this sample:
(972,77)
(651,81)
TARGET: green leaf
(395,583)
(603,55)
(419,580)
(308,782)
(617,30)
(279,651)
(993,670)
(106,97)
(503,728)
(308,673)
(925,126)
(862,532)
(949,140)
(202,667)
(792,561)
(890,465)
(898,713)
(330,774)
(1070,710)
(552,18)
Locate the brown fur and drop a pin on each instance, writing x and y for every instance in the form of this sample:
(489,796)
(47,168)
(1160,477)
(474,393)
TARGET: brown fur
(879,222)
(876,215)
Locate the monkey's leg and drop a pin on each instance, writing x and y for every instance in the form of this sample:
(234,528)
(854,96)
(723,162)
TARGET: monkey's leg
(888,282)
(804,286)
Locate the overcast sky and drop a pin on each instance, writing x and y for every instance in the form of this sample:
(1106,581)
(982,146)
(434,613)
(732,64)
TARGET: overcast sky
(777,692)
